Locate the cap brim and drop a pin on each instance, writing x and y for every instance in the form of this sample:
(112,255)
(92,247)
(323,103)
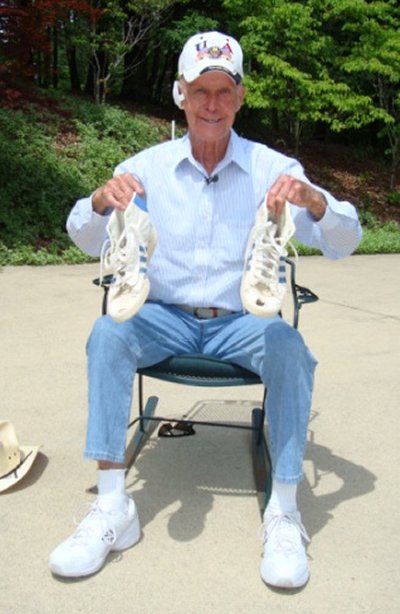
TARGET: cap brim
(235,77)
(29,454)
(218,65)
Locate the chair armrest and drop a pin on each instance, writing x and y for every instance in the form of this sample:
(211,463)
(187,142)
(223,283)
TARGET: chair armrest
(104,282)
(300,294)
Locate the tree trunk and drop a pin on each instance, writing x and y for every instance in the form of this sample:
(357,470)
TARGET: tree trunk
(47,53)
(296,126)
(70,50)
(97,71)
(55,58)
(395,164)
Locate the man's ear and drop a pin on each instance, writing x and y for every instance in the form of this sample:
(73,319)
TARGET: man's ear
(178,96)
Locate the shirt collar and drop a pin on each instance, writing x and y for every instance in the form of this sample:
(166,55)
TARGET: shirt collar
(235,153)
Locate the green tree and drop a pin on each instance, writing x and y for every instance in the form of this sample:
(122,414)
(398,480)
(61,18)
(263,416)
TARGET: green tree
(292,69)
(122,26)
(374,64)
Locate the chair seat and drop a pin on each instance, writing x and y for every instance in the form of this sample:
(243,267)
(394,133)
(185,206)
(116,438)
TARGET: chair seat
(200,370)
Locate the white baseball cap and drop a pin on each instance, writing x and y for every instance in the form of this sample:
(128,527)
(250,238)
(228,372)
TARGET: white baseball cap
(208,51)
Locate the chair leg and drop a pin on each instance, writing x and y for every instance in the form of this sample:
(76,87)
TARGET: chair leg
(143,431)
(141,402)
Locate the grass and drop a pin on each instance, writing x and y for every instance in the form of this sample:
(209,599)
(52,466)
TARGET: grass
(379,238)
(29,255)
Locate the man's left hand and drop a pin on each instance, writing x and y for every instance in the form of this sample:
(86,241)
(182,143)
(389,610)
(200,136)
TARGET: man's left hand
(298,193)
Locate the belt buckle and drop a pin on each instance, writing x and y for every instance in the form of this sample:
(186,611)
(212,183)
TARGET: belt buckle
(205,313)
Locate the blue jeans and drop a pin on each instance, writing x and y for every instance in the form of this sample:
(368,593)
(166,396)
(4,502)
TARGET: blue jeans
(270,347)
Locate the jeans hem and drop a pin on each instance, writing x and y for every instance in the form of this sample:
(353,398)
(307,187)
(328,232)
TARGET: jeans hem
(288,480)
(99,456)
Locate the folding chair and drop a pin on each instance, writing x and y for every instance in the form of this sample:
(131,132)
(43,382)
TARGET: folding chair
(207,371)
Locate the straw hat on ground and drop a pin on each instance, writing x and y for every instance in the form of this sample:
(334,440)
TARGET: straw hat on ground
(15,460)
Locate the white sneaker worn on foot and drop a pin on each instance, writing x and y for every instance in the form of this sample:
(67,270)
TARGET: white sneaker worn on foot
(132,240)
(284,563)
(263,284)
(99,533)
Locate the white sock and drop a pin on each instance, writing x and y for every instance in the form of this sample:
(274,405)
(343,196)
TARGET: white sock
(282,500)
(111,489)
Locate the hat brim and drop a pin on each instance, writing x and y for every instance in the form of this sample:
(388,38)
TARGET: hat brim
(217,65)
(28,454)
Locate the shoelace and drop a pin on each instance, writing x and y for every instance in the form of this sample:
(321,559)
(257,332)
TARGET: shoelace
(284,525)
(94,521)
(264,255)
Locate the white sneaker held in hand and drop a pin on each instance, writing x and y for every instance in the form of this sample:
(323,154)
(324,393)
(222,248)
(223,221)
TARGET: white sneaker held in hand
(263,284)
(100,533)
(132,240)
(284,563)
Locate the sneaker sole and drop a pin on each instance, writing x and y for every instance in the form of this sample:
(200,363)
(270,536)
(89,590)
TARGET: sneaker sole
(121,313)
(260,310)
(282,582)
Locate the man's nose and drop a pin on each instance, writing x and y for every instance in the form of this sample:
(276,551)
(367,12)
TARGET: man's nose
(212,102)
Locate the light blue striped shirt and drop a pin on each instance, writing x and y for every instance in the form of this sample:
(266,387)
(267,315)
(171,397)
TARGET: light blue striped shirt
(203,228)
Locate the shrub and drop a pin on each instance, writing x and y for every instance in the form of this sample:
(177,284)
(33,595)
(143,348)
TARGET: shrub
(49,159)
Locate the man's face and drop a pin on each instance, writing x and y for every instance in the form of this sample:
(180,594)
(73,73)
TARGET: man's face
(211,103)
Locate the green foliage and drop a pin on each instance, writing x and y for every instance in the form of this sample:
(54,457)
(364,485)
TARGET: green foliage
(374,60)
(381,239)
(109,139)
(47,163)
(297,64)
(177,32)
(377,238)
(36,189)
(393,198)
(27,255)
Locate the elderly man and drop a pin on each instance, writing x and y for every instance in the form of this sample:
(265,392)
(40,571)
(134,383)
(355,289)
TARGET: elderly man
(209,202)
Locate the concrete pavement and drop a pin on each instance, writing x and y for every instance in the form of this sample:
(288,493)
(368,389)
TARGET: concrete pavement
(200,550)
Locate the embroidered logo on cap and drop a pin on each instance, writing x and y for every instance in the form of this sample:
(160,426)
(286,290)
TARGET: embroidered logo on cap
(214,52)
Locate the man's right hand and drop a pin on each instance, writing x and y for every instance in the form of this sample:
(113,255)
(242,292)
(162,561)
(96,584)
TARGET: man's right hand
(116,192)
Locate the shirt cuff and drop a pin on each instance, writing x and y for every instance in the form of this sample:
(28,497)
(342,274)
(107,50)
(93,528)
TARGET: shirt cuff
(329,220)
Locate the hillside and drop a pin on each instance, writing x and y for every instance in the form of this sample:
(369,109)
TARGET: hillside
(364,181)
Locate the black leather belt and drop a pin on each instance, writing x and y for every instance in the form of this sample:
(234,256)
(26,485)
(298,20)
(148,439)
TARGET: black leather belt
(205,313)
